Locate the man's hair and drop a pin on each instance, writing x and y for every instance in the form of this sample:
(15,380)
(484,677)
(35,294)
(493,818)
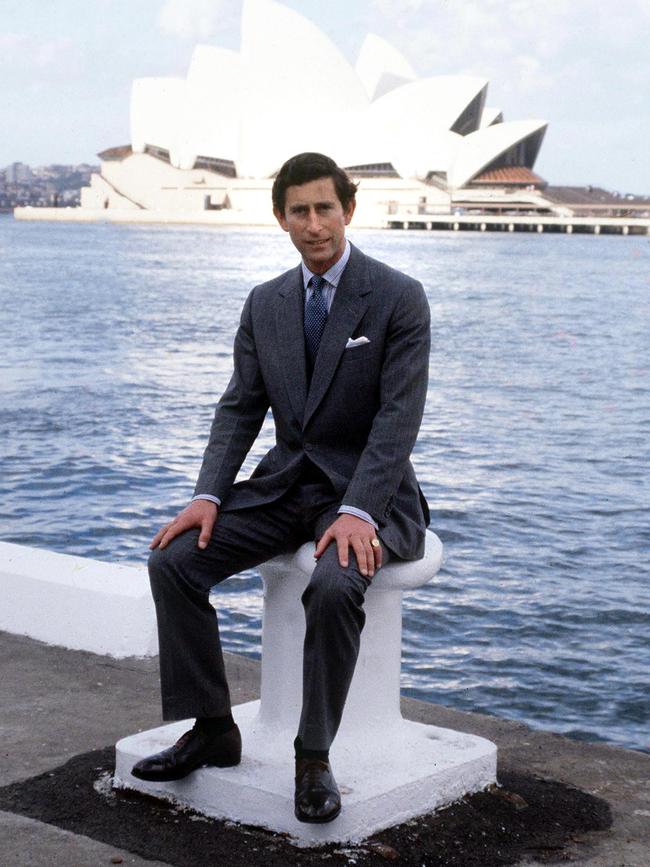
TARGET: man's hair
(310,167)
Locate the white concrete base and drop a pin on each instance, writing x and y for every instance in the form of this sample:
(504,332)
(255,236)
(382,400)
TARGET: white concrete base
(406,770)
(76,602)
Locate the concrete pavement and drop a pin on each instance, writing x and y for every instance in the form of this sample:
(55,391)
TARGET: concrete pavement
(57,703)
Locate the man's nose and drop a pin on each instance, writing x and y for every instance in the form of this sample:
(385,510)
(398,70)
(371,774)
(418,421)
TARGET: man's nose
(313,222)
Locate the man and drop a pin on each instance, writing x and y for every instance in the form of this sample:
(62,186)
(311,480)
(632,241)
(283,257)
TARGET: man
(338,348)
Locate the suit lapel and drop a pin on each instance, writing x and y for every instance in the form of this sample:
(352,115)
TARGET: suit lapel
(291,340)
(350,302)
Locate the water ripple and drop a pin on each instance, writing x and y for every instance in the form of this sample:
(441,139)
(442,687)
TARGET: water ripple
(534,449)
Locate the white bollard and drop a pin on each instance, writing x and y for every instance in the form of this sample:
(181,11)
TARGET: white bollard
(423,767)
(375,688)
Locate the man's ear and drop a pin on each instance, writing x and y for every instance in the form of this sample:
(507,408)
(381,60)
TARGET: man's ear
(349,211)
(279,216)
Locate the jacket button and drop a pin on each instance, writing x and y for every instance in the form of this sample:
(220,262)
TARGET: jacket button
(308,447)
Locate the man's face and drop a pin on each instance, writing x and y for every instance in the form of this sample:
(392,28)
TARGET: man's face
(315,220)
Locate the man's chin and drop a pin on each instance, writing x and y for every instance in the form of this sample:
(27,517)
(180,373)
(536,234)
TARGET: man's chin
(321,258)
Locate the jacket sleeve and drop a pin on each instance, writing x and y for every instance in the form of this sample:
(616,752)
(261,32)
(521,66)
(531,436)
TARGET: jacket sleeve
(238,416)
(402,394)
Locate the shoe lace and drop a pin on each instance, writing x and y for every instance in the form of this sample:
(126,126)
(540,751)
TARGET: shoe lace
(311,771)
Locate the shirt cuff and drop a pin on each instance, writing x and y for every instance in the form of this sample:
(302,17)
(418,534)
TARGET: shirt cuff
(208,497)
(358,513)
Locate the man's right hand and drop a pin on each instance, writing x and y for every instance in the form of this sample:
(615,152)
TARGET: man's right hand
(200,513)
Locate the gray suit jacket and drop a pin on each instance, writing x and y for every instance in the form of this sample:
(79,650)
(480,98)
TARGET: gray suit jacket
(360,417)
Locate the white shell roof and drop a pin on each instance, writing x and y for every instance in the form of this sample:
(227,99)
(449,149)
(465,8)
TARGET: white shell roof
(289,62)
(409,127)
(212,105)
(480,148)
(289,104)
(439,100)
(156,107)
(290,89)
(381,67)
(490,116)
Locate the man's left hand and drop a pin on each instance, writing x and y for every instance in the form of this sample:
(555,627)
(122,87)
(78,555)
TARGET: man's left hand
(348,531)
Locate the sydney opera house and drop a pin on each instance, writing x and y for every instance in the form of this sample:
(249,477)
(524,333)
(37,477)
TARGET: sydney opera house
(210,143)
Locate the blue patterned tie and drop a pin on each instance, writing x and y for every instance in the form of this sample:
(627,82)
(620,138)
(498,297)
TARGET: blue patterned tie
(315,318)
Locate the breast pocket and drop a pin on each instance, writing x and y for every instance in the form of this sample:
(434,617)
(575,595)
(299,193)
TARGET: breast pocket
(360,364)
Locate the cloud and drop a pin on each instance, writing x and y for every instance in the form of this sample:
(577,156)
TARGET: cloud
(191,20)
(479,36)
(18,50)
(11,42)
(397,8)
(532,75)
(532,53)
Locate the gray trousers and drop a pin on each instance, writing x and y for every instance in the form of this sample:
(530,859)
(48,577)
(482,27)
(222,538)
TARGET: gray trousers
(192,673)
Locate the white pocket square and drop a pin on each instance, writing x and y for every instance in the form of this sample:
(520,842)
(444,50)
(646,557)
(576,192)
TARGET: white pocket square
(358,341)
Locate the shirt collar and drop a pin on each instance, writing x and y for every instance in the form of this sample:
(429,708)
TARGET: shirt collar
(333,274)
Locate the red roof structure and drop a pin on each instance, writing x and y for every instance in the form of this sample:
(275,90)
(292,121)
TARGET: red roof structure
(509,176)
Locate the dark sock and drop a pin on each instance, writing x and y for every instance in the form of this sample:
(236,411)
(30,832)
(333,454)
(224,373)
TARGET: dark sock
(215,725)
(302,753)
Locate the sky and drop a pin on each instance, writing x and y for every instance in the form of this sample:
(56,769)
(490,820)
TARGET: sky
(583,65)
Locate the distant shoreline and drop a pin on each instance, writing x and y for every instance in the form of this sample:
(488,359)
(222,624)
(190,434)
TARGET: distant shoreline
(461,220)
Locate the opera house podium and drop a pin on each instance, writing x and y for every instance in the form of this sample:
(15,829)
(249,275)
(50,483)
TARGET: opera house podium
(389,769)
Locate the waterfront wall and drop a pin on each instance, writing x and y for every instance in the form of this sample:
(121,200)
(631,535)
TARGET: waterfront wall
(76,602)
(365,218)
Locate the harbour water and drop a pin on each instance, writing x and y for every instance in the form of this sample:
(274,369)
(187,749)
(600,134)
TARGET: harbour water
(534,452)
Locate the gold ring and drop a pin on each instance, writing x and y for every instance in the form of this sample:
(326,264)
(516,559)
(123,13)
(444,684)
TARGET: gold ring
(374,543)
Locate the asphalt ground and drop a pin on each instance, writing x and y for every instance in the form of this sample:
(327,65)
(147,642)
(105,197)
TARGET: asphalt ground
(61,710)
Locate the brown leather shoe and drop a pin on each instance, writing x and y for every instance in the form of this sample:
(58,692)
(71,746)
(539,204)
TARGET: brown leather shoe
(317,796)
(191,751)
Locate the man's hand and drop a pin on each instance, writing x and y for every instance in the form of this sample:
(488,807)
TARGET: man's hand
(199,513)
(348,531)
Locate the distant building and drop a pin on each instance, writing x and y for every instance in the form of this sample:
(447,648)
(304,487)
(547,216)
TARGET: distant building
(428,152)
(18,173)
(214,139)
(43,186)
